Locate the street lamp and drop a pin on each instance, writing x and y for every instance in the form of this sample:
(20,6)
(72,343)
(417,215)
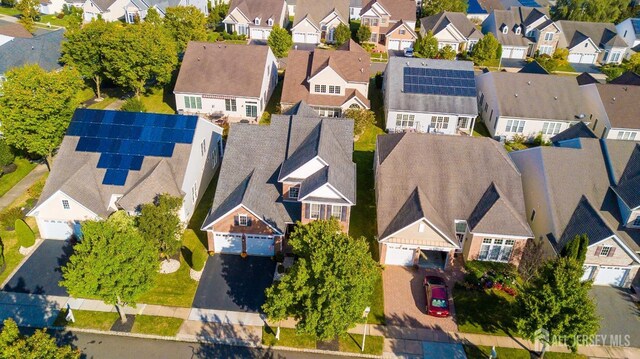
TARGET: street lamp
(365,315)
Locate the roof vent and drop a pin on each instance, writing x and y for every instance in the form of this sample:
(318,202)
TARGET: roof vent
(516,95)
(204,47)
(359,59)
(198,59)
(32,48)
(613,98)
(407,63)
(580,116)
(362,69)
(424,63)
(529,83)
(555,97)
(625,88)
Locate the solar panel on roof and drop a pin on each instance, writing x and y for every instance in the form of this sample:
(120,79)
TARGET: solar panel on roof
(444,82)
(529,3)
(115,177)
(636,26)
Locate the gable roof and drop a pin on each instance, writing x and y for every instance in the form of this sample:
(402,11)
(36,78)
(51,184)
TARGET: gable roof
(262,9)
(579,130)
(446,178)
(507,18)
(398,9)
(43,50)
(254,156)
(602,34)
(585,78)
(534,67)
(223,69)
(14,29)
(627,185)
(81,171)
(161,5)
(460,21)
(621,104)
(315,11)
(103,5)
(628,78)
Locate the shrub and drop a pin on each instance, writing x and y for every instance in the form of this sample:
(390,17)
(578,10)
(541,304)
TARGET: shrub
(498,272)
(612,71)
(133,104)
(8,217)
(363,34)
(36,189)
(193,252)
(539,140)
(26,238)
(362,118)
(6,154)
(60,15)
(10,168)
(214,36)
(1,257)
(9,3)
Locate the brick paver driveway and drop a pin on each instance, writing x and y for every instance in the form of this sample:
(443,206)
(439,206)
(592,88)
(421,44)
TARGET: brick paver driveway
(405,300)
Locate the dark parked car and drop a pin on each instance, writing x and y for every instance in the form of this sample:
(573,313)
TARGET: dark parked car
(437,296)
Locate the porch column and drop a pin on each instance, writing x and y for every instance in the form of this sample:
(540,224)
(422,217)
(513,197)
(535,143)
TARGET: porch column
(473,124)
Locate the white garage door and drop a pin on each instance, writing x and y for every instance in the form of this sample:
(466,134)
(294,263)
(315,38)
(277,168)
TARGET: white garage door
(257,34)
(227,243)
(298,37)
(614,276)
(582,58)
(50,229)
(312,39)
(406,45)
(394,44)
(260,245)
(506,52)
(588,271)
(517,53)
(399,256)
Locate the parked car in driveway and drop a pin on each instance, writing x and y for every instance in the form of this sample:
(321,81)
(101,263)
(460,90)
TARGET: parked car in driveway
(437,296)
(408,52)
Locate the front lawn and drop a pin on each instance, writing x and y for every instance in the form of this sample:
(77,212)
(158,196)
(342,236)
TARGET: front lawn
(352,343)
(163,326)
(11,179)
(480,129)
(483,352)
(174,289)
(484,311)
(9,11)
(106,101)
(87,319)
(347,343)
(53,20)
(159,100)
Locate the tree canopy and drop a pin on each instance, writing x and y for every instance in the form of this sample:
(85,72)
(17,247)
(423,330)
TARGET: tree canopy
(488,48)
(29,11)
(218,10)
(329,286)
(447,53)
(113,262)
(590,10)
(363,34)
(362,119)
(279,41)
(36,107)
(556,300)
(431,7)
(160,224)
(185,23)
(342,34)
(38,345)
(153,17)
(577,248)
(427,46)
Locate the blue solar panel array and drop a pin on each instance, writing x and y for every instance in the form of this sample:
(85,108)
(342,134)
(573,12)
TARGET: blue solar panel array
(423,80)
(475,8)
(124,138)
(636,26)
(529,3)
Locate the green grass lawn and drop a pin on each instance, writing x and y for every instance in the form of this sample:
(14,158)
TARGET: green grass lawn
(288,338)
(87,319)
(175,289)
(158,100)
(480,129)
(11,179)
(53,20)
(106,101)
(10,11)
(164,326)
(483,352)
(274,102)
(566,68)
(380,57)
(352,343)
(484,312)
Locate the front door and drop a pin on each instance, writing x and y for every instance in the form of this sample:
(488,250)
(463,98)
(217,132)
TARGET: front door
(252,111)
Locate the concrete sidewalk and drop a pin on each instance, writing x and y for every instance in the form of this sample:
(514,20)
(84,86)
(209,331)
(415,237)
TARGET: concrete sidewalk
(22,186)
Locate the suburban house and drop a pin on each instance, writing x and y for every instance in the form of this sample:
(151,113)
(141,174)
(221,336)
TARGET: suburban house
(392,23)
(475,11)
(453,29)
(52,7)
(589,42)
(439,197)
(426,95)
(506,27)
(603,204)
(291,7)
(11,30)
(330,81)
(108,10)
(23,49)
(617,107)
(629,30)
(137,9)
(115,160)
(355,6)
(526,104)
(316,21)
(256,18)
(298,168)
(230,82)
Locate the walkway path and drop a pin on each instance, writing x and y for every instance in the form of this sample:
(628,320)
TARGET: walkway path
(20,187)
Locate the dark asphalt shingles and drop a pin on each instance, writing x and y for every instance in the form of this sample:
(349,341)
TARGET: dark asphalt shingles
(230,282)
(41,273)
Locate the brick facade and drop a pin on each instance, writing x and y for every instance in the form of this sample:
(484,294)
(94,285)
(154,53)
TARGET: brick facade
(473,243)
(327,214)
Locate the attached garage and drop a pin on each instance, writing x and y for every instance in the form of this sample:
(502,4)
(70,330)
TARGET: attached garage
(227,243)
(582,58)
(588,272)
(394,44)
(258,34)
(399,255)
(260,245)
(52,229)
(513,53)
(256,245)
(613,276)
(305,38)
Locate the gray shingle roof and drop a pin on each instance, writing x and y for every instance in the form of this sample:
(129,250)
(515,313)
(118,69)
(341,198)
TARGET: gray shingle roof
(584,220)
(579,130)
(602,34)
(398,100)
(627,78)
(263,9)
(316,10)
(254,156)
(160,4)
(533,67)
(446,178)
(628,185)
(43,50)
(460,21)
(507,18)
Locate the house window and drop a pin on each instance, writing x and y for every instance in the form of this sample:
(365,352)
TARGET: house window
(551,128)
(334,89)
(243,29)
(518,30)
(243,220)
(321,88)
(251,109)
(256,21)
(230,105)
(328,111)
(193,102)
(194,193)
(405,120)
(586,44)
(626,135)
(314,211)
(533,215)
(336,212)
(505,29)
(605,250)
(65,204)
(214,155)
(293,192)
(440,122)
(515,126)
(636,222)
(131,17)
(486,107)
(270,22)
(463,122)
(545,50)
(373,22)
(374,37)
(548,36)
(402,31)
(422,227)
(496,250)
(203,147)
(615,56)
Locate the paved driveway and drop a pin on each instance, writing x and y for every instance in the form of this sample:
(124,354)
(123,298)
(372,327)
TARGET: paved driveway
(230,282)
(405,300)
(620,316)
(41,273)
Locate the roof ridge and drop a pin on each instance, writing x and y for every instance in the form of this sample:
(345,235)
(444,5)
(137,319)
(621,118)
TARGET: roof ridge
(510,207)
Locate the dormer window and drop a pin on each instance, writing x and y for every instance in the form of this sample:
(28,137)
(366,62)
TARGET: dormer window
(256,21)
(270,22)
(505,29)
(518,30)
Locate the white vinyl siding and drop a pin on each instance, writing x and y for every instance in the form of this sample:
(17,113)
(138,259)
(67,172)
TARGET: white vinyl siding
(626,135)
(551,128)
(516,126)
(193,102)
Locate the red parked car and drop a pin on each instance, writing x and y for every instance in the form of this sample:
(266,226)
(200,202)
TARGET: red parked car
(437,296)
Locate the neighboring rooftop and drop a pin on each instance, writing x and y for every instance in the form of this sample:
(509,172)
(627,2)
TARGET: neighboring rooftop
(509,19)
(585,78)
(261,9)
(397,9)
(621,104)
(579,130)
(448,178)
(628,78)
(460,21)
(602,34)
(14,29)
(222,69)
(43,50)
(316,11)
(533,67)
(160,4)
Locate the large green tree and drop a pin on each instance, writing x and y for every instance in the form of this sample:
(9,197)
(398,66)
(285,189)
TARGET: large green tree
(185,23)
(38,345)
(29,11)
(135,55)
(590,10)
(363,34)
(218,10)
(431,7)
(36,108)
(113,262)
(153,17)
(330,284)
(83,50)
(488,48)
(427,46)
(280,41)
(362,118)
(577,248)
(342,34)
(159,223)
(556,300)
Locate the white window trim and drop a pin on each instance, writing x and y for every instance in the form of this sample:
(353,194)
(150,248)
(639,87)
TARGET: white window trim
(499,244)
(333,213)
(604,249)
(243,220)
(297,190)
(315,208)
(66,204)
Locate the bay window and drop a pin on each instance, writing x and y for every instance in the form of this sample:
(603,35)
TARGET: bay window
(496,250)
